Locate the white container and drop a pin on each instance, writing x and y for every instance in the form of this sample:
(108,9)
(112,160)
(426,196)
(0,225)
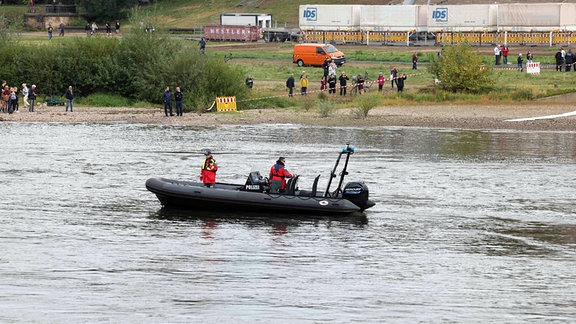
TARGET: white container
(463,18)
(329,17)
(389,18)
(246,19)
(537,16)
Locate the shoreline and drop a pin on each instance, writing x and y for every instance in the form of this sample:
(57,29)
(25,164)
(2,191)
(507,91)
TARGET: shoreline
(459,116)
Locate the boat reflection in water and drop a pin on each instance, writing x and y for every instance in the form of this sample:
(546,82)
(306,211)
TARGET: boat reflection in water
(255,197)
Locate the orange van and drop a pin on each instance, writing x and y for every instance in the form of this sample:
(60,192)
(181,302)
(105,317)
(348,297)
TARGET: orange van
(316,54)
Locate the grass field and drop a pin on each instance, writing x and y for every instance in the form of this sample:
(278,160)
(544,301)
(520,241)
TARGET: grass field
(271,63)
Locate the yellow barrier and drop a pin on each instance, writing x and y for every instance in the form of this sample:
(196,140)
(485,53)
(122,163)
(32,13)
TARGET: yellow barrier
(445,38)
(226,104)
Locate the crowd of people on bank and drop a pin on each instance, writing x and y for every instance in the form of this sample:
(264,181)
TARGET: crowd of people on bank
(9,102)
(331,82)
(564,60)
(167,100)
(501,53)
(91,29)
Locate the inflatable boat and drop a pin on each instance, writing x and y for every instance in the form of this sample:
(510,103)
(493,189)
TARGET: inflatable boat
(255,196)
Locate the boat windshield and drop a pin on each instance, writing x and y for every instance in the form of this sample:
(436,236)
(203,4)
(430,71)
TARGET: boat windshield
(330,49)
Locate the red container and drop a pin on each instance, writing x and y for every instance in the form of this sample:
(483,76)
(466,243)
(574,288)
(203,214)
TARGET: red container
(232,33)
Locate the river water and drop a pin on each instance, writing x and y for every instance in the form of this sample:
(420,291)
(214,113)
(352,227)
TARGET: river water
(469,226)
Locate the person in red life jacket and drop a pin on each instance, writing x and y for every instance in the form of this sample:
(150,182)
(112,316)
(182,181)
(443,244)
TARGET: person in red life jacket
(278,175)
(209,168)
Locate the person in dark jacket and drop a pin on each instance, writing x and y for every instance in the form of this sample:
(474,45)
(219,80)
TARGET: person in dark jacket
(202,45)
(278,175)
(167,100)
(559,61)
(32,97)
(178,97)
(326,66)
(69,99)
(360,84)
(570,59)
(400,82)
(343,81)
(290,85)
(520,63)
(393,74)
(332,84)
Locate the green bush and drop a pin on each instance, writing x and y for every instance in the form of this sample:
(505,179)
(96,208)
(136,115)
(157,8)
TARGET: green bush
(138,67)
(325,108)
(460,69)
(308,103)
(366,103)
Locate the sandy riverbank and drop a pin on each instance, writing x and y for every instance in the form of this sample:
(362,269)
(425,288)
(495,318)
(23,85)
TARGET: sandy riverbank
(437,116)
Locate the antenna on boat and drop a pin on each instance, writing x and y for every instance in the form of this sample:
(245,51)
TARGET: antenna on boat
(346,150)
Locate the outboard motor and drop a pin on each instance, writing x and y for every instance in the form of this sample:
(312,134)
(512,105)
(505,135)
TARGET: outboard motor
(256,182)
(357,193)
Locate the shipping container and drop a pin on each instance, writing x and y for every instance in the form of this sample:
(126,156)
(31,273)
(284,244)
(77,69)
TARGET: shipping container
(389,18)
(537,16)
(330,17)
(246,19)
(232,33)
(458,18)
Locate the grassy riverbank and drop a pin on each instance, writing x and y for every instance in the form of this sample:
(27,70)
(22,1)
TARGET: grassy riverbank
(270,64)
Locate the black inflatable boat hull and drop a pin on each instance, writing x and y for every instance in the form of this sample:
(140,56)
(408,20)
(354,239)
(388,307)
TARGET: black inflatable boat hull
(196,196)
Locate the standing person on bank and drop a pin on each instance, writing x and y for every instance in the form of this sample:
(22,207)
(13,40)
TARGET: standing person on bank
(323,83)
(343,80)
(303,84)
(178,97)
(559,60)
(209,169)
(278,175)
(290,85)
(505,51)
(50,30)
(69,99)
(332,84)
(520,63)
(497,54)
(393,74)
(414,61)
(25,91)
(202,45)
(380,82)
(32,96)
(400,82)
(167,100)
(569,59)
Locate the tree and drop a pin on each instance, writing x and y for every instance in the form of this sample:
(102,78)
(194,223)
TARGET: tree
(460,69)
(105,10)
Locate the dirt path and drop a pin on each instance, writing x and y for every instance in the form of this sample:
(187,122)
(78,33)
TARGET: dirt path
(441,116)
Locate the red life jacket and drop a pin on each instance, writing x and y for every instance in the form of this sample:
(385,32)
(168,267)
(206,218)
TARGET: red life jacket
(208,173)
(279,173)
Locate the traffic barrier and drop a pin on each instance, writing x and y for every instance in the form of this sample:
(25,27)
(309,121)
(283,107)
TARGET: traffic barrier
(226,104)
(533,68)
